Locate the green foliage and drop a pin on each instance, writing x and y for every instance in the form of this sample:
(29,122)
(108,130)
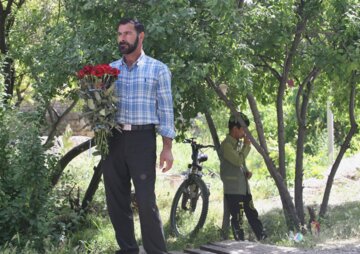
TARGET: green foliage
(25,171)
(50,40)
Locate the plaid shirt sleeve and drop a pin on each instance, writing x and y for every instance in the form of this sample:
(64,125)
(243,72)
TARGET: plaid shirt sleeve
(165,104)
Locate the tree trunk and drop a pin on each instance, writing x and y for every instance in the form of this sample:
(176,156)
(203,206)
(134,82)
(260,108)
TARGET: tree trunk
(226,214)
(68,157)
(7,20)
(93,186)
(9,74)
(300,28)
(301,112)
(258,123)
(299,172)
(281,131)
(344,147)
(213,131)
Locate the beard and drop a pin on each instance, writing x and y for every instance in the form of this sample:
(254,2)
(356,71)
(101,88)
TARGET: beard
(127,48)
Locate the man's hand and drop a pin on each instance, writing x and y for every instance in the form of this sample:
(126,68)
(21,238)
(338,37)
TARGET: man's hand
(248,174)
(166,156)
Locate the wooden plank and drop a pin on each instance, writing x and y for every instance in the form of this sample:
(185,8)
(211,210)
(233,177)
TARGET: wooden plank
(237,247)
(219,244)
(214,249)
(175,252)
(197,251)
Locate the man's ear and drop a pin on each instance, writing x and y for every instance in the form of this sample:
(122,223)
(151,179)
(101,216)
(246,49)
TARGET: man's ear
(142,36)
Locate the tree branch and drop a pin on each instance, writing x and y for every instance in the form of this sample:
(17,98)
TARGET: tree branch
(56,124)
(344,147)
(8,7)
(241,4)
(309,78)
(68,157)
(213,131)
(272,70)
(300,27)
(258,123)
(233,110)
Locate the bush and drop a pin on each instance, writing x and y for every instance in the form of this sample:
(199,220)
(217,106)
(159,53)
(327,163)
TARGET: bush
(25,171)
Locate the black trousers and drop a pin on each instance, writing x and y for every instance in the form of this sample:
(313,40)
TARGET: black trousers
(132,155)
(238,205)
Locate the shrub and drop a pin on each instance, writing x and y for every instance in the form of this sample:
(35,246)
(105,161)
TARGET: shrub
(24,177)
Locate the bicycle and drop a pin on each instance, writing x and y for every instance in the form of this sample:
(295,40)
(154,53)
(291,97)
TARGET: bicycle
(191,201)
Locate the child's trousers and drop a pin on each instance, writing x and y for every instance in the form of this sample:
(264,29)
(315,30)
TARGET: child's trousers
(238,205)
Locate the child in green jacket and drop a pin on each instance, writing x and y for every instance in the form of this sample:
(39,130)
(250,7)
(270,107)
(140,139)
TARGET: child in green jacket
(235,175)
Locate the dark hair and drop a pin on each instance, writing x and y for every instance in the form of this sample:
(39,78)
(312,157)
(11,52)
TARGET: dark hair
(138,26)
(234,122)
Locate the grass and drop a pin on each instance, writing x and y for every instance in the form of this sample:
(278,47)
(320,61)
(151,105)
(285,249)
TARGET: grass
(95,233)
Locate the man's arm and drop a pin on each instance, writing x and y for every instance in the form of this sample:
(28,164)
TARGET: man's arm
(166,117)
(165,110)
(166,156)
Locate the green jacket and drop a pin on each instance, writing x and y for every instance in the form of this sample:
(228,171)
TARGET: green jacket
(232,166)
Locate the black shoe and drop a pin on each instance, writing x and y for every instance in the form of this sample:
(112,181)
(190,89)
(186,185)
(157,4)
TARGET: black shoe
(239,235)
(263,236)
(133,251)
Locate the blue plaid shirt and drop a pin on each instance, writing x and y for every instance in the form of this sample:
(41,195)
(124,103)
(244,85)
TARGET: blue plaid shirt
(144,94)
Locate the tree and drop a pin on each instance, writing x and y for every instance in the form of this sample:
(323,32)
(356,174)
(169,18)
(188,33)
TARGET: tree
(298,36)
(8,10)
(259,49)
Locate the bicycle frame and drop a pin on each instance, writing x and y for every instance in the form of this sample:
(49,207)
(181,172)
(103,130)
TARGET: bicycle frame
(191,201)
(195,167)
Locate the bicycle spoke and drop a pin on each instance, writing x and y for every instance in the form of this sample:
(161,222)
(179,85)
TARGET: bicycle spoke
(189,208)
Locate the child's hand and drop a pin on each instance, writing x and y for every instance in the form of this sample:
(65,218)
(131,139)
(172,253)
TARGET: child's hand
(247,140)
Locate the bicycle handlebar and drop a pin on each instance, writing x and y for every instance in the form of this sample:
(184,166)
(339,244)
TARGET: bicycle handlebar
(193,142)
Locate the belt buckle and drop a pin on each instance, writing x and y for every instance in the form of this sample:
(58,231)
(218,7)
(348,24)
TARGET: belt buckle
(126,127)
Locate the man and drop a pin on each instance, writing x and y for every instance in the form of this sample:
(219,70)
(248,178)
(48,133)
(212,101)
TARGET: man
(235,175)
(144,101)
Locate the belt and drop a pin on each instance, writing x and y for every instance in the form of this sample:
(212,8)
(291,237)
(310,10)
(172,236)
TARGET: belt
(130,127)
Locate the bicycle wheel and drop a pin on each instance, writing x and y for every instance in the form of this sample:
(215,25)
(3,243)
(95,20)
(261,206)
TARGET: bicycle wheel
(190,207)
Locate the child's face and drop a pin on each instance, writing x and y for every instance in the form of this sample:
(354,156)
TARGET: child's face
(238,133)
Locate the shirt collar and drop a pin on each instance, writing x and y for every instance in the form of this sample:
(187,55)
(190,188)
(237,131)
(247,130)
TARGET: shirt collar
(139,62)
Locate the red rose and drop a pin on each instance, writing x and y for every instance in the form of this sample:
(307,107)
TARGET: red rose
(98,71)
(114,72)
(80,74)
(87,69)
(107,68)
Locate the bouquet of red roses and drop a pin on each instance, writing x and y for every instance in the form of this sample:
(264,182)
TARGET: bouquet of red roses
(97,85)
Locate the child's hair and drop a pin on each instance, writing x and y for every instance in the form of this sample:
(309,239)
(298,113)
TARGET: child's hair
(234,122)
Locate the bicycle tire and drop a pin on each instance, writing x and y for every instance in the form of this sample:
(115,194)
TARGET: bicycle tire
(190,207)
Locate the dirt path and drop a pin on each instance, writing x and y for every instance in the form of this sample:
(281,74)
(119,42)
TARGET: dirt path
(233,247)
(346,188)
(347,181)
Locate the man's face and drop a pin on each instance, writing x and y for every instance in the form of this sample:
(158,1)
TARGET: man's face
(128,39)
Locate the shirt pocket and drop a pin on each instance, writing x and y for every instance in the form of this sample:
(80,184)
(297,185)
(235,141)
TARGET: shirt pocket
(149,86)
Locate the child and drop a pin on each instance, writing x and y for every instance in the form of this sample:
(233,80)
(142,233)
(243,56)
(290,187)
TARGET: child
(235,175)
